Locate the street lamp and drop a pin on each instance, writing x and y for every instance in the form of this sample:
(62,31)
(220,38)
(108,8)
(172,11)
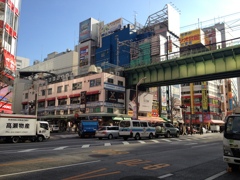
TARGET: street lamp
(137,107)
(184,107)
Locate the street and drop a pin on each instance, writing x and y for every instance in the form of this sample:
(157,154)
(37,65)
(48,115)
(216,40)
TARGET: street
(188,157)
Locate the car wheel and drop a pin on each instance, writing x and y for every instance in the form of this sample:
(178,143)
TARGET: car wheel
(168,135)
(156,136)
(110,136)
(177,134)
(150,136)
(100,138)
(137,136)
(15,139)
(125,138)
(40,139)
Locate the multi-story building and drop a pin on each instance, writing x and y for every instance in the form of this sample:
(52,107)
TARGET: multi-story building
(9,18)
(21,62)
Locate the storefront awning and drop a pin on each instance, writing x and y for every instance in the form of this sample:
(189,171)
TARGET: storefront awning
(51,99)
(217,122)
(24,103)
(62,97)
(93,92)
(74,95)
(41,100)
(151,119)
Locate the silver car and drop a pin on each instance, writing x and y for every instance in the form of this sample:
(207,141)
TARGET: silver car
(109,132)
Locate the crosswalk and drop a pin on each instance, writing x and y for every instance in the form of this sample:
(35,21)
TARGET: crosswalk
(186,141)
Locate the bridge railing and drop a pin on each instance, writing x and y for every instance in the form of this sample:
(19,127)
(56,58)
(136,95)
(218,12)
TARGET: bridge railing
(186,53)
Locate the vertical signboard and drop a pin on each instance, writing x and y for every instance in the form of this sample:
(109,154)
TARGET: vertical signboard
(85,30)
(83,54)
(173,20)
(145,102)
(83,101)
(204,96)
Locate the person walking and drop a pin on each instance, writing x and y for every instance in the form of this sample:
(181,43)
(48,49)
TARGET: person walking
(184,130)
(191,129)
(201,129)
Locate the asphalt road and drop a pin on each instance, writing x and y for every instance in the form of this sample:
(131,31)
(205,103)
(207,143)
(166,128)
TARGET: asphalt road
(69,157)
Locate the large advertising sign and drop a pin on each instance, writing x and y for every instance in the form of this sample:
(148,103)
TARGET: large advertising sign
(85,30)
(204,96)
(83,54)
(9,62)
(112,26)
(145,102)
(192,37)
(114,97)
(173,20)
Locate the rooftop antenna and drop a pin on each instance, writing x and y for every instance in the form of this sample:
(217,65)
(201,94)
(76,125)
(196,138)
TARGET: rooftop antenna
(135,19)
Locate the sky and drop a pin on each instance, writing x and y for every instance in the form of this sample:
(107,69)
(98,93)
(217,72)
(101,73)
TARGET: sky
(47,26)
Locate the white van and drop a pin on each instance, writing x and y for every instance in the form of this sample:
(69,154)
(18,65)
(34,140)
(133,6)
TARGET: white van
(135,129)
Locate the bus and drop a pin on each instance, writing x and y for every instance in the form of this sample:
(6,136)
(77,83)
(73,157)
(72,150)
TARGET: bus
(231,140)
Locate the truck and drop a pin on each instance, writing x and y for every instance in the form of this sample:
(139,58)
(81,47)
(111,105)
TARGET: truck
(87,127)
(215,128)
(19,127)
(231,140)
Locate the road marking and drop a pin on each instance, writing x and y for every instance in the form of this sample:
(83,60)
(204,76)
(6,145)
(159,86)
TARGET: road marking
(45,169)
(167,140)
(107,144)
(125,142)
(27,150)
(156,141)
(142,142)
(164,176)
(85,175)
(86,146)
(204,145)
(176,139)
(216,175)
(190,144)
(60,148)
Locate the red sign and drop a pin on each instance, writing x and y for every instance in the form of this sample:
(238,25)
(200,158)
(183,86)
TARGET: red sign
(9,61)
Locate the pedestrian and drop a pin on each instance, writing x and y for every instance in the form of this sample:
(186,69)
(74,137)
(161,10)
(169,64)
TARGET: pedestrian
(184,130)
(191,129)
(201,129)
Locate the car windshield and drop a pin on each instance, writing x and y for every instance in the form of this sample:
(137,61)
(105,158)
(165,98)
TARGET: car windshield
(233,124)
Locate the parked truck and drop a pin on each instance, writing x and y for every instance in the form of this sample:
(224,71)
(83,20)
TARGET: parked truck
(19,127)
(87,127)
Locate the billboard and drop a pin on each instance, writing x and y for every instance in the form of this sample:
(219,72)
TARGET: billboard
(85,30)
(192,37)
(9,63)
(83,56)
(145,102)
(112,26)
(204,96)
(173,20)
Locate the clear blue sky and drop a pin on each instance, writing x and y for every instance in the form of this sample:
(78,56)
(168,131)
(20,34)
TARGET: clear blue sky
(53,25)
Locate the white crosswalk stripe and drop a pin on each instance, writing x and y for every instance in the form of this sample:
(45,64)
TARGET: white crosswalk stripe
(142,142)
(60,148)
(167,140)
(86,146)
(27,150)
(107,144)
(125,142)
(156,141)
(176,139)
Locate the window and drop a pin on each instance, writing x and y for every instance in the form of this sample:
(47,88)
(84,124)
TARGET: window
(49,91)
(62,102)
(110,110)
(59,89)
(26,95)
(51,103)
(110,80)
(120,83)
(41,104)
(136,124)
(74,100)
(95,82)
(144,124)
(65,88)
(77,85)
(43,92)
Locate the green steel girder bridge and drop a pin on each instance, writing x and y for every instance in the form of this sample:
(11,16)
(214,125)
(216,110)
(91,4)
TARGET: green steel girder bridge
(204,66)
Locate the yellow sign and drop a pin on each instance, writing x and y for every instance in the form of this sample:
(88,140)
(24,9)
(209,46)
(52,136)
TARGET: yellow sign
(204,96)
